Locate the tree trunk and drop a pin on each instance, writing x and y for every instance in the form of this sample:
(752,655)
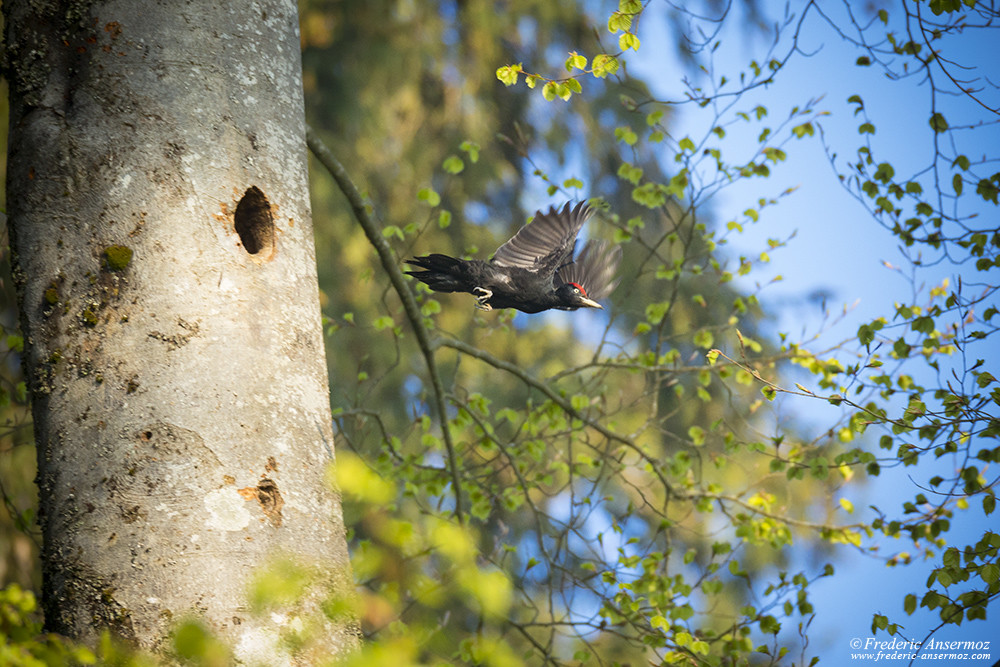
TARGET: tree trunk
(159,216)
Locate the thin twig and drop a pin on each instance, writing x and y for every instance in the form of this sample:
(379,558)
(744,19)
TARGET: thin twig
(563,403)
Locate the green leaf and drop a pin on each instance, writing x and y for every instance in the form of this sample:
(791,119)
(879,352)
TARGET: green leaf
(885,172)
(805,129)
(879,622)
(575,61)
(628,41)
(770,625)
(550,91)
(678,183)
(941,6)
(923,324)
(625,134)
(704,339)
(508,74)
(430,307)
(392,230)
(429,196)
(938,123)
(604,65)
(775,154)
(630,173)
(472,148)
(619,21)
(16,343)
(650,195)
(655,312)
(987,190)
(621,236)
(453,164)
(192,641)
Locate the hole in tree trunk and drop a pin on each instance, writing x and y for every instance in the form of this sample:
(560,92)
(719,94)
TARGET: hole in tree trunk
(254,223)
(270,500)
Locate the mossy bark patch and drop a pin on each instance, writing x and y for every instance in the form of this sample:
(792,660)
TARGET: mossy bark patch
(117,257)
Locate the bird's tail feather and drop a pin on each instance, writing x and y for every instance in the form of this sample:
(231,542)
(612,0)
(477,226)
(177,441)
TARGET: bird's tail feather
(441,272)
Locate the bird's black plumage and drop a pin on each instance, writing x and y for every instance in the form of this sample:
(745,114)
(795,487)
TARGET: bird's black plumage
(534,270)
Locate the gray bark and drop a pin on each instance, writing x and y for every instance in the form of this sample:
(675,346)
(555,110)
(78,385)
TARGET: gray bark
(159,214)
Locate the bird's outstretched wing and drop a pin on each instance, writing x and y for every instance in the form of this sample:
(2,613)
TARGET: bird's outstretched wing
(547,242)
(594,270)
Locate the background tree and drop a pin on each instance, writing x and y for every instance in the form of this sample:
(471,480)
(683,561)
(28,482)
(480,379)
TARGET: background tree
(629,521)
(159,219)
(557,491)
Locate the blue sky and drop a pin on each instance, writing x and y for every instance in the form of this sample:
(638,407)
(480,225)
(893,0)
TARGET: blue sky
(840,251)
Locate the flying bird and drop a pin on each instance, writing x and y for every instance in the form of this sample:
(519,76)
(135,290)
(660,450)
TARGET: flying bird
(534,270)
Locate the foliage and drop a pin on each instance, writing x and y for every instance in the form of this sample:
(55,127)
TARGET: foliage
(23,643)
(19,535)
(616,488)
(634,492)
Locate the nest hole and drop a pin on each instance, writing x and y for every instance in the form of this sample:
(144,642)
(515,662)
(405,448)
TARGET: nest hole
(254,223)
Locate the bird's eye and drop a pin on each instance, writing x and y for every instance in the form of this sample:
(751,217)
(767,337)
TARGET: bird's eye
(576,290)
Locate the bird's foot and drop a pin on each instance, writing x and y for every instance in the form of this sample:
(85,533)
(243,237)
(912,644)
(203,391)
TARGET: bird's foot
(482,296)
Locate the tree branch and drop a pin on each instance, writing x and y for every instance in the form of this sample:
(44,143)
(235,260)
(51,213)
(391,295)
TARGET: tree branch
(563,403)
(389,263)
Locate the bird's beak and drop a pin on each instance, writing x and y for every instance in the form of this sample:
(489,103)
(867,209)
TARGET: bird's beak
(589,303)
